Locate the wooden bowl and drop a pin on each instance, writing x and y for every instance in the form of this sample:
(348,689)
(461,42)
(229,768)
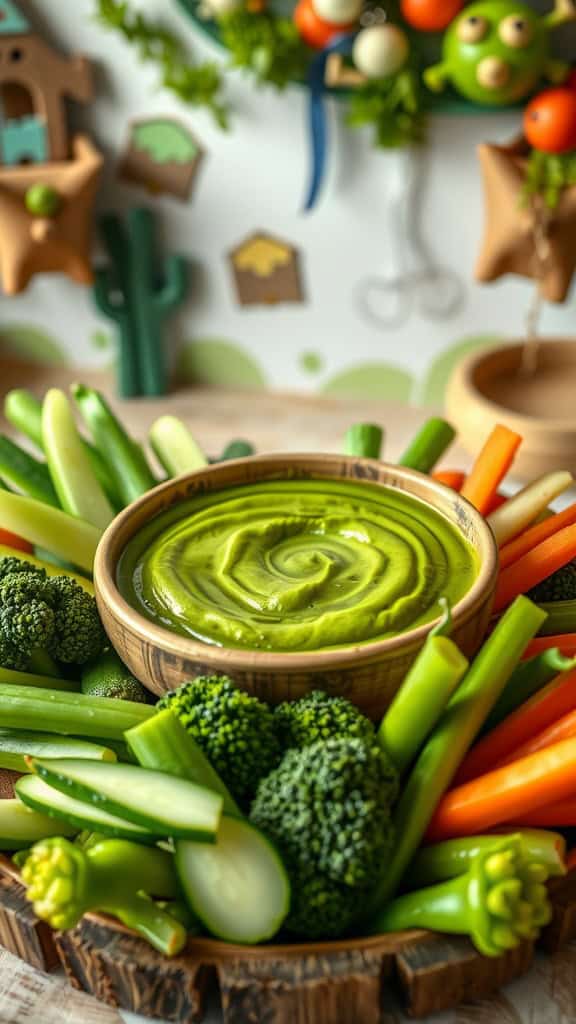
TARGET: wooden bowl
(489,387)
(369,675)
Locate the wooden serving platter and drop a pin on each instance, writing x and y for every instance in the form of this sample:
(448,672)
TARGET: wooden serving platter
(322,983)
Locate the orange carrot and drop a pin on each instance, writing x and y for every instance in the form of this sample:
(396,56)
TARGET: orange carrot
(491,467)
(453,478)
(559,815)
(565,642)
(10,540)
(535,535)
(506,794)
(535,566)
(496,502)
(563,729)
(544,708)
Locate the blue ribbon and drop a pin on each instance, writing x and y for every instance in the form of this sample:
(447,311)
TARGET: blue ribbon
(318,127)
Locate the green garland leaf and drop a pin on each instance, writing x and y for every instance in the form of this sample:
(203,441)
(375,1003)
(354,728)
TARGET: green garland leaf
(393,106)
(265,44)
(547,175)
(197,85)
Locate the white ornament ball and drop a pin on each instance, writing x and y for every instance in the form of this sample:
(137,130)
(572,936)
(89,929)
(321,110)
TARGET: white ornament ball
(216,8)
(380,50)
(338,12)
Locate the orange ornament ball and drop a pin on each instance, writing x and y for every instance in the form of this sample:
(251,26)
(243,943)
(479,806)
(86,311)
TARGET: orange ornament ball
(314,31)
(430,15)
(550,121)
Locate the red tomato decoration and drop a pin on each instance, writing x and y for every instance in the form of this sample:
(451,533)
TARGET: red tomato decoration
(10,540)
(430,15)
(312,29)
(550,121)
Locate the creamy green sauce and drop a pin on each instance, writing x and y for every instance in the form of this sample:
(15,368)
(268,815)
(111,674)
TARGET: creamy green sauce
(296,565)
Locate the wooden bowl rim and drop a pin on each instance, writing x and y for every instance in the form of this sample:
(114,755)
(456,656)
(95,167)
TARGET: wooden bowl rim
(465,377)
(242,660)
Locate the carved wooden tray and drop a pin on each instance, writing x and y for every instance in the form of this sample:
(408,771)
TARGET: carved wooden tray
(327,983)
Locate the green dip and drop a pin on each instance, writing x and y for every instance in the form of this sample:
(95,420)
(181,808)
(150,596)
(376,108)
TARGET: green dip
(296,565)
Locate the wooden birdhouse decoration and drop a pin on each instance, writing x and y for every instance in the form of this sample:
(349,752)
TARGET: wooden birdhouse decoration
(266,271)
(48,181)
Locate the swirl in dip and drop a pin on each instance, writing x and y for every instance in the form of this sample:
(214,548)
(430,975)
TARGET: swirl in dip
(296,565)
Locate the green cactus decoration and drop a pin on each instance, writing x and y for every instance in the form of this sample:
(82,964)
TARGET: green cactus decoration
(133,293)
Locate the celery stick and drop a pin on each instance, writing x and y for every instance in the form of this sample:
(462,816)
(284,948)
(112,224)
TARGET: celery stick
(25,473)
(15,746)
(124,458)
(364,440)
(174,446)
(50,528)
(527,678)
(561,617)
(428,446)
(454,734)
(421,700)
(163,743)
(13,678)
(68,714)
(237,450)
(24,411)
(79,492)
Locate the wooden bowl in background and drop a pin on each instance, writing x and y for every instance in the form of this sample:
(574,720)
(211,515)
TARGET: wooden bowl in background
(369,675)
(489,387)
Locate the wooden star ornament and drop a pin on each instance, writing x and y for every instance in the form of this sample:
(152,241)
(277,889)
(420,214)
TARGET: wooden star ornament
(57,240)
(509,243)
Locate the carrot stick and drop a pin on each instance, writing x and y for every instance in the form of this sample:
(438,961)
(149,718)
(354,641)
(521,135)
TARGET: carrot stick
(565,642)
(507,794)
(563,729)
(544,708)
(496,502)
(11,540)
(491,467)
(535,566)
(535,535)
(559,815)
(453,478)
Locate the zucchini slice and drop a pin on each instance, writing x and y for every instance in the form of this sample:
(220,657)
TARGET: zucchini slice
(238,888)
(74,814)
(156,801)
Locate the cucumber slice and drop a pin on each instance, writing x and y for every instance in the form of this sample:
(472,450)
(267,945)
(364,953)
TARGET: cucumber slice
(73,813)
(238,888)
(78,490)
(20,827)
(158,802)
(15,746)
(174,446)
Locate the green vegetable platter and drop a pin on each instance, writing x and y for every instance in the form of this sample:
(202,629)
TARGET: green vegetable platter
(309,855)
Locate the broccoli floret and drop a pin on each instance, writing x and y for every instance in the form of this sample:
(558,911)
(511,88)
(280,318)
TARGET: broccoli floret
(53,615)
(9,565)
(321,908)
(64,881)
(561,586)
(318,716)
(78,632)
(327,807)
(237,732)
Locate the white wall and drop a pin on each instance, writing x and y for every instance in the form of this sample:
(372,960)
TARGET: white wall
(253,178)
